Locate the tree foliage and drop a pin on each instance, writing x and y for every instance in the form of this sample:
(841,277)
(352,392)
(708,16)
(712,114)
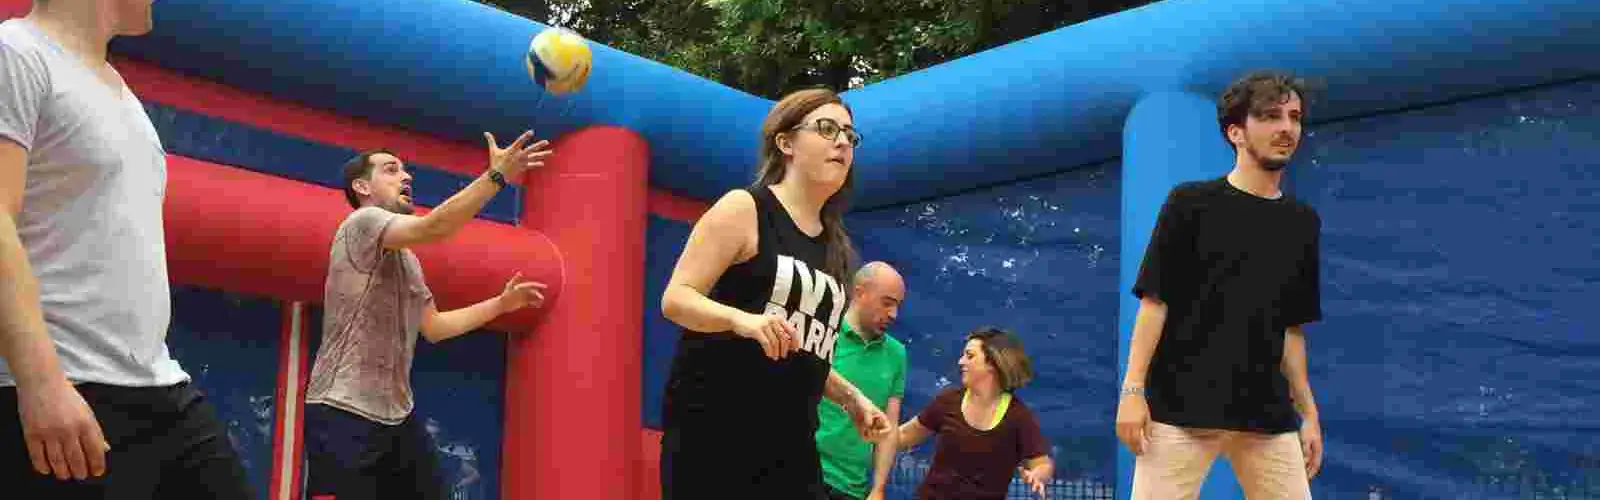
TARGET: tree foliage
(768,47)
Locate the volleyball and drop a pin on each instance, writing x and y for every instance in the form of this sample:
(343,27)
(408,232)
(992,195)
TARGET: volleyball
(559,60)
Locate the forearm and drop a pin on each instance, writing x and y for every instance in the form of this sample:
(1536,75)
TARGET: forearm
(883,454)
(1147,325)
(841,392)
(24,342)
(449,324)
(696,312)
(909,435)
(455,212)
(1295,370)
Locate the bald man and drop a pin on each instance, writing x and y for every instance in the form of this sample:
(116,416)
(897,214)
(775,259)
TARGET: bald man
(876,363)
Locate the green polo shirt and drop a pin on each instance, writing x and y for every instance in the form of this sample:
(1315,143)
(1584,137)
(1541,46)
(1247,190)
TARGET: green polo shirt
(878,369)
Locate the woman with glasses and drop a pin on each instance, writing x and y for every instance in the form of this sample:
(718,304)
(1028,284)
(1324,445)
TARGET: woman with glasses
(985,432)
(759,293)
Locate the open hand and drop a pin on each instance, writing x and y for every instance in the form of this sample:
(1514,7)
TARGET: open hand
(1035,480)
(519,156)
(62,434)
(520,293)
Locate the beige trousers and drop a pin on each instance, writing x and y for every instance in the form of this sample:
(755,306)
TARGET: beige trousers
(1176,460)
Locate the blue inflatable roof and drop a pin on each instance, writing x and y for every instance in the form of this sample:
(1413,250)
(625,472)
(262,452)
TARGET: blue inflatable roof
(454,68)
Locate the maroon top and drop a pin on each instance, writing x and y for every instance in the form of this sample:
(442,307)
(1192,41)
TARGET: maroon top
(975,464)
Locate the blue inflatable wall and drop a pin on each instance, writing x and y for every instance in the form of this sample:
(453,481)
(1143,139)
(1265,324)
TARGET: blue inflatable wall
(228,343)
(1458,358)
(454,68)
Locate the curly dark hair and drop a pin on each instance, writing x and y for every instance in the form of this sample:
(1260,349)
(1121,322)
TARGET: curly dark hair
(1253,94)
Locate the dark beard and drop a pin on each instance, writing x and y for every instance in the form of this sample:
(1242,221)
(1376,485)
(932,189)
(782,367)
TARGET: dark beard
(401,208)
(1268,164)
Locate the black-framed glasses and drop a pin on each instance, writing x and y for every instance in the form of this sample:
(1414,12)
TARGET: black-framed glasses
(830,129)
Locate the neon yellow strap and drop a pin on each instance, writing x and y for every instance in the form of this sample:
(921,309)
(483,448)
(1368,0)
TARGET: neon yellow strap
(999,409)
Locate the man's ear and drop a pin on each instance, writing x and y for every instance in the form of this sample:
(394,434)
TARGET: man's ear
(361,187)
(1236,135)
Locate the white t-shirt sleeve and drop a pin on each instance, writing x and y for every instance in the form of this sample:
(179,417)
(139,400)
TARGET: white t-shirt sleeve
(23,87)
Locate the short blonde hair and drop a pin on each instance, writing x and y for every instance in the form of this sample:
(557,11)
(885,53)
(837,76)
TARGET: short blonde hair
(1003,351)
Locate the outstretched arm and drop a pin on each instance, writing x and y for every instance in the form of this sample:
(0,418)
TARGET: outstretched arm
(912,433)
(447,218)
(869,420)
(519,293)
(440,326)
(842,392)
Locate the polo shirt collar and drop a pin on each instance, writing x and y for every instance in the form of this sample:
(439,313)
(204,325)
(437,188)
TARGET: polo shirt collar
(850,332)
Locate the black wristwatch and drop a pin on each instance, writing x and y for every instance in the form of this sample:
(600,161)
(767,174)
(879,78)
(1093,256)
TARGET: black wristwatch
(498,178)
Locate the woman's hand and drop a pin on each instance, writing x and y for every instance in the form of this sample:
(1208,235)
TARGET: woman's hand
(776,336)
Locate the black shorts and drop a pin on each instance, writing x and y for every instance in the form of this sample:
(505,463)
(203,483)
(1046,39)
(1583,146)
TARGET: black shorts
(352,458)
(166,442)
(725,464)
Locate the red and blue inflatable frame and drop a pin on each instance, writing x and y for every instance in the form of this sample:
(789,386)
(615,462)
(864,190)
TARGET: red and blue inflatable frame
(265,229)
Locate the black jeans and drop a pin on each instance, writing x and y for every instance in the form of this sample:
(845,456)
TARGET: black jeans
(352,458)
(719,463)
(166,442)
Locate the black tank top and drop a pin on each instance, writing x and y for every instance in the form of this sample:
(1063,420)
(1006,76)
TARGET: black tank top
(723,381)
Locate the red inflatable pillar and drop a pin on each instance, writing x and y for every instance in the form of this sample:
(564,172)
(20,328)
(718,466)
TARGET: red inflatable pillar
(572,384)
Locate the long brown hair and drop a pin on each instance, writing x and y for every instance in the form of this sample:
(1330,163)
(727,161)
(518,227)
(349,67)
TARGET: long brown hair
(785,115)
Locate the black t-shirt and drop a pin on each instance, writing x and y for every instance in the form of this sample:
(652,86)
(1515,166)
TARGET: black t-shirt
(1235,271)
(723,385)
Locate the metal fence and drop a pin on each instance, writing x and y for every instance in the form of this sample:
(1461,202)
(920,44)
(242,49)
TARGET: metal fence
(910,469)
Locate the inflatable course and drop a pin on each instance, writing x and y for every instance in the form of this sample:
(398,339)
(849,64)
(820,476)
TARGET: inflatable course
(1453,155)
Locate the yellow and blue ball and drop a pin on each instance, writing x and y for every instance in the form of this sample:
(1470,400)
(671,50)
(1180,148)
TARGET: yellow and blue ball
(559,60)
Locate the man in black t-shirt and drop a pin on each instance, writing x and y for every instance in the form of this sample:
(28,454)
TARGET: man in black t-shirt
(1217,365)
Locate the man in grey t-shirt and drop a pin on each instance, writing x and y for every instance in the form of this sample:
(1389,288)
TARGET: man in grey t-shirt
(362,439)
(88,390)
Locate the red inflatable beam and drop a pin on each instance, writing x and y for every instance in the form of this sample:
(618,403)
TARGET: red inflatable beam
(572,387)
(241,231)
(15,8)
(678,208)
(156,84)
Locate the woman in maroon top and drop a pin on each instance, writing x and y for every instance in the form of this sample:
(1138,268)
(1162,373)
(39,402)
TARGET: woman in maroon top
(985,432)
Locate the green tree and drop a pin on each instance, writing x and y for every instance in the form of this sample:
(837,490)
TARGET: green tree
(768,47)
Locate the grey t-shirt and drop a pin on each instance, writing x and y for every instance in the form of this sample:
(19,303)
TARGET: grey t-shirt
(91,218)
(373,303)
